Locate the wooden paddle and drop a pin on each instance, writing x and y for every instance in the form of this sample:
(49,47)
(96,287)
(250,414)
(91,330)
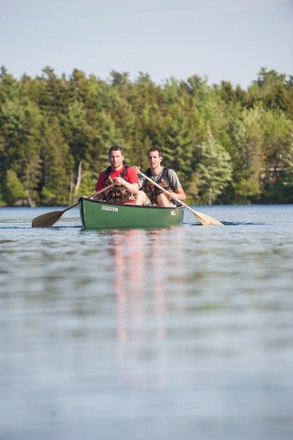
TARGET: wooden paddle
(204,219)
(50,218)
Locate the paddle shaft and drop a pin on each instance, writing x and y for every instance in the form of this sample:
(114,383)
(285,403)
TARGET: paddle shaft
(98,192)
(92,195)
(50,218)
(202,218)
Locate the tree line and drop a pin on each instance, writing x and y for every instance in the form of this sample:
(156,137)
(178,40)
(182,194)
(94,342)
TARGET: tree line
(228,145)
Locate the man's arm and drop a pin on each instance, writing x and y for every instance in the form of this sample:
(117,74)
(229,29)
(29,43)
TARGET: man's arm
(130,182)
(176,186)
(131,187)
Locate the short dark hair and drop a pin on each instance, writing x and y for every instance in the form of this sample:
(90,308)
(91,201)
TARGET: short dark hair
(155,149)
(116,148)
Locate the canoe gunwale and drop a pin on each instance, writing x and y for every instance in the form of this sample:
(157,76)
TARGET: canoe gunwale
(130,205)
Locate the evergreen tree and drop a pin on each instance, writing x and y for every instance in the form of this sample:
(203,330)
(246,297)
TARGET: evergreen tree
(56,185)
(214,170)
(178,144)
(14,190)
(247,155)
(277,177)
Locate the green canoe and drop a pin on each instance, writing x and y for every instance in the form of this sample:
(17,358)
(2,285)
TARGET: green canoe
(103,215)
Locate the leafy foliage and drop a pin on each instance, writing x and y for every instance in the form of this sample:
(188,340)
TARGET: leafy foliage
(228,145)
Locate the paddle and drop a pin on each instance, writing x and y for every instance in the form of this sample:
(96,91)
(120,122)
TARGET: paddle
(204,219)
(50,218)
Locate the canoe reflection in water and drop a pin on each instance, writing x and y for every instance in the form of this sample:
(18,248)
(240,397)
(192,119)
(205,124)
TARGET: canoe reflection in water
(143,267)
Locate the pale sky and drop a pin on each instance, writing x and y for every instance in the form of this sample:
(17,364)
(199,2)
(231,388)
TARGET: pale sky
(218,39)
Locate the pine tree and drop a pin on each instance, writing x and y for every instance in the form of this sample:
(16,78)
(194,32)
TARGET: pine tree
(214,170)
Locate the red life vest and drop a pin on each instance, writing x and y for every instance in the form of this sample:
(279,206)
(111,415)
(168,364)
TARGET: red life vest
(117,194)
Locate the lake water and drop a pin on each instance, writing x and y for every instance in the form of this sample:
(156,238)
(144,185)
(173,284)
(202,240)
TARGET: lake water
(181,333)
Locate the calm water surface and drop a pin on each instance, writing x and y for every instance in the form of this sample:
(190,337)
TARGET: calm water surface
(166,334)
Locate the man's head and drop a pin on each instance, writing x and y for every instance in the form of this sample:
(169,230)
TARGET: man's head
(155,157)
(155,150)
(116,148)
(116,157)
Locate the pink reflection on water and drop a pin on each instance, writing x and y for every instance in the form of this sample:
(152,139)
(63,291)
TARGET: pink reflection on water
(142,262)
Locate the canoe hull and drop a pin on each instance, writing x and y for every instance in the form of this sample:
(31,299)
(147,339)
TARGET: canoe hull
(102,215)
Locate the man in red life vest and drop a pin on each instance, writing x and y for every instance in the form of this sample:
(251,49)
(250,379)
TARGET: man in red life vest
(124,177)
(167,178)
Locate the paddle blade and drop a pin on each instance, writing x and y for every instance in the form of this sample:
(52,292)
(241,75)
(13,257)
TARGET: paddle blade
(207,220)
(47,219)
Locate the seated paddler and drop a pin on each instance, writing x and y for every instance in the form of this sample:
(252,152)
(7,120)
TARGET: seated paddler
(167,178)
(123,177)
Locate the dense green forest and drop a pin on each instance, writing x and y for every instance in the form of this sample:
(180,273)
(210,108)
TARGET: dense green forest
(227,144)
